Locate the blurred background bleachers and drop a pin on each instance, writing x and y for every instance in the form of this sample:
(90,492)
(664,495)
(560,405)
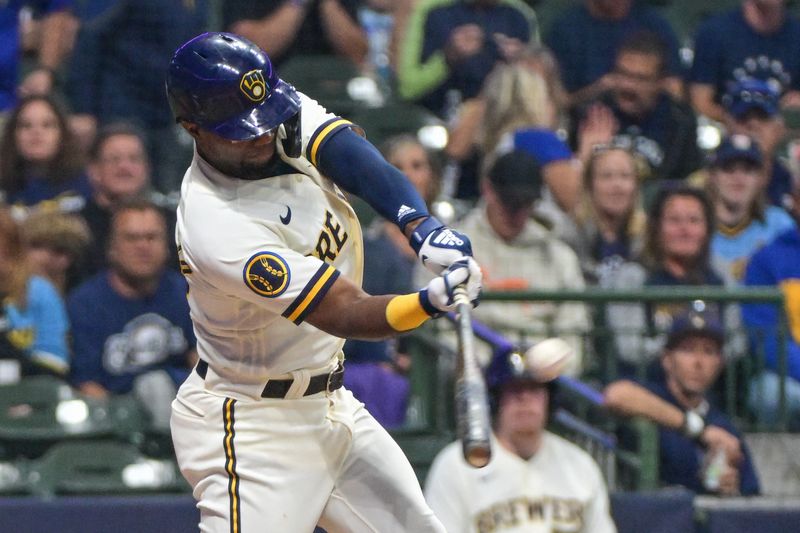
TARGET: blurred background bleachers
(68,455)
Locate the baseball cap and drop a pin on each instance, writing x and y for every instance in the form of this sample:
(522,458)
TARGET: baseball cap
(516,178)
(705,322)
(737,148)
(749,94)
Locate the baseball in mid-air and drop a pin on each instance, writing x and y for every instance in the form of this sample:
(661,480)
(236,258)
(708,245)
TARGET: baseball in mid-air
(548,359)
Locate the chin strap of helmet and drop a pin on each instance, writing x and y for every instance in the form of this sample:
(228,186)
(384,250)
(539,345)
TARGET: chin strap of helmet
(293,143)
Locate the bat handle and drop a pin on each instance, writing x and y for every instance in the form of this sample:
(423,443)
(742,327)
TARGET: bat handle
(460,296)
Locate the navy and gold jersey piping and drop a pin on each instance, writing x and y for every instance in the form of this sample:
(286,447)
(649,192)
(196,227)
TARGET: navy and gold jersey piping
(322,134)
(230,465)
(316,289)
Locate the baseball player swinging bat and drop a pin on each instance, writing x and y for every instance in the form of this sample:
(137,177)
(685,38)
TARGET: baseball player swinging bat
(472,403)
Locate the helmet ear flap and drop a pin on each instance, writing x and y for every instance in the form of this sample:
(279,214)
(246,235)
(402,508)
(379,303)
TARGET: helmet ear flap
(293,143)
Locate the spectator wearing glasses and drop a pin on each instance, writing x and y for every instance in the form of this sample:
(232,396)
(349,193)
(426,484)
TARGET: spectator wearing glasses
(638,109)
(587,38)
(119,170)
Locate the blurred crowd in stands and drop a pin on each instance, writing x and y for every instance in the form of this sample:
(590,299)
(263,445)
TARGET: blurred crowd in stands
(595,147)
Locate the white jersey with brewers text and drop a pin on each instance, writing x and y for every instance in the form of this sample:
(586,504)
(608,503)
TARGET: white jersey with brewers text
(558,490)
(258,255)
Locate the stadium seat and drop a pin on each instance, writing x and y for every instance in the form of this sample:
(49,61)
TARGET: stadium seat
(686,15)
(101,467)
(14,478)
(395,118)
(41,410)
(324,78)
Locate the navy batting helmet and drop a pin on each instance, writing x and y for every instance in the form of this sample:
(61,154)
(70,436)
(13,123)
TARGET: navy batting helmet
(226,84)
(507,369)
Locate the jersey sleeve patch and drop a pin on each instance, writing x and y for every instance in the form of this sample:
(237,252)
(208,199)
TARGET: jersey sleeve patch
(312,293)
(323,133)
(267,274)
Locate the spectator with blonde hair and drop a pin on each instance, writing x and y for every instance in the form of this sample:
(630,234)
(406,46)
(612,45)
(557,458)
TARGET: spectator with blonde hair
(515,110)
(57,244)
(607,227)
(33,321)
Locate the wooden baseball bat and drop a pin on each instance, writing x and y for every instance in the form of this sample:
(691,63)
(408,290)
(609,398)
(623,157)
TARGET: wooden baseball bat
(472,403)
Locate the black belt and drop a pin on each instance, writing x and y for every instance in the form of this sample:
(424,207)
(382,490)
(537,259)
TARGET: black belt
(277,388)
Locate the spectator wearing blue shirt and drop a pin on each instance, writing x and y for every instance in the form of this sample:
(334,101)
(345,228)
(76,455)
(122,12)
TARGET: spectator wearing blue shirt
(57,26)
(776,265)
(450,47)
(131,331)
(693,432)
(117,72)
(758,40)
(744,224)
(752,108)
(39,157)
(285,28)
(33,321)
(658,127)
(587,37)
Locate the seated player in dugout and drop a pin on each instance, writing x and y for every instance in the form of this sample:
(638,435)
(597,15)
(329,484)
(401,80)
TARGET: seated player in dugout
(263,429)
(535,481)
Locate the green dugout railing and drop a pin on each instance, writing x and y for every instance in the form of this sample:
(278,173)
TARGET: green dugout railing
(430,426)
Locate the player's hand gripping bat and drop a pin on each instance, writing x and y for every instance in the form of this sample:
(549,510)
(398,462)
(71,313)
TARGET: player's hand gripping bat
(472,405)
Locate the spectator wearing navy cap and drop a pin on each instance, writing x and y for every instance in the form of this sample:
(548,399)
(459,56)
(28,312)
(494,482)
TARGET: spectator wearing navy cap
(759,40)
(753,108)
(736,187)
(695,437)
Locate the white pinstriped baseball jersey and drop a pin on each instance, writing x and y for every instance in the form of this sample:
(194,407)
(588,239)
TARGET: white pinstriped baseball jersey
(259,255)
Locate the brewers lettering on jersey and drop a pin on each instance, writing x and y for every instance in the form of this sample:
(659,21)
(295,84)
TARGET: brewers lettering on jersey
(272,252)
(536,481)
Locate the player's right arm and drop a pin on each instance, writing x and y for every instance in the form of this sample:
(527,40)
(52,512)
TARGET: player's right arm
(347,311)
(631,399)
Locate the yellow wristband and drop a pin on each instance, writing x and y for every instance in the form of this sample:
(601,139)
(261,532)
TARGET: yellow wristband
(405,312)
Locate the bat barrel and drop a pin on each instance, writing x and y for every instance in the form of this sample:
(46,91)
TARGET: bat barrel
(472,406)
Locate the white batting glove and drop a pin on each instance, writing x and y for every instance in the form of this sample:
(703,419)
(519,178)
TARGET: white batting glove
(437,297)
(438,246)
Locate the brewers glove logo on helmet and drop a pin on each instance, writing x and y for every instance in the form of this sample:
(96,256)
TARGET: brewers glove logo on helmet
(266,274)
(253,85)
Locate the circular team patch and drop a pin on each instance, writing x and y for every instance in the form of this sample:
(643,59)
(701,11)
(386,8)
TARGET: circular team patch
(266,274)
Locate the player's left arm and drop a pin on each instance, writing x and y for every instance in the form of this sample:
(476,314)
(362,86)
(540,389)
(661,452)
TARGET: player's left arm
(347,311)
(357,166)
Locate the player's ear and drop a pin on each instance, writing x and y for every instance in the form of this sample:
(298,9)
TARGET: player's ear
(191,127)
